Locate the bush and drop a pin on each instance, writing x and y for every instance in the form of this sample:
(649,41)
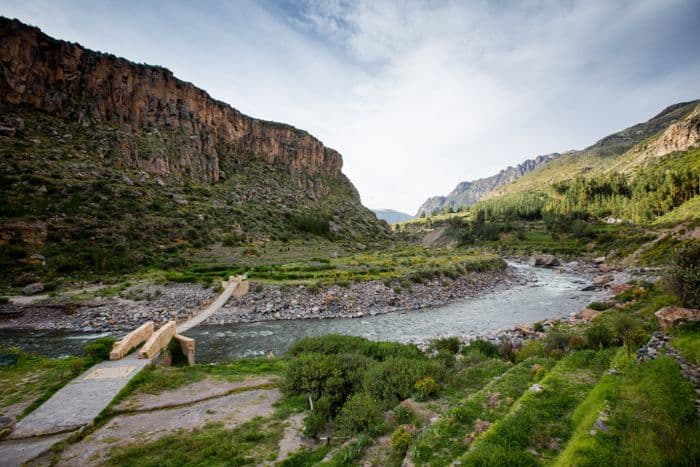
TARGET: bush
(338,344)
(684,276)
(599,336)
(393,380)
(400,440)
(100,348)
(446,359)
(626,328)
(426,388)
(557,340)
(480,345)
(531,348)
(599,306)
(538,326)
(360,413)
(317,420)
(451,344)
(309,372)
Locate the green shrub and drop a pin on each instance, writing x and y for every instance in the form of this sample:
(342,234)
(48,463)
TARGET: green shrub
(531,348)
(339,344)
(360,413)
(451,344)
(99,348)
(684,276)
(538,326)
(626,327)
(599,336)
(482,346)
(557,340)
(401,439)
(426,388)
(309,372)
(317,420)
(599,306)
(393,380)
(446,359)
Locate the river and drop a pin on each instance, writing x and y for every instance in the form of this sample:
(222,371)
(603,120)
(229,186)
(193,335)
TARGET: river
(547,294)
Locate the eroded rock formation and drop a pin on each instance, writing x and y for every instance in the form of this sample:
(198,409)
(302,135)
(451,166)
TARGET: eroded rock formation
(193,130)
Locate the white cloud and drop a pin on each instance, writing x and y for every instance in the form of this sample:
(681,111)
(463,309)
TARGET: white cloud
(417,96)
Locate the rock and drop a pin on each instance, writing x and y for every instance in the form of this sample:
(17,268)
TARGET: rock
(481,425)
(588,314)
(544,261)
(7,130)
(536,388)
(494,399)
(525,329)
(33,289)
(619,288)
(599,260)
(601,280)
(669,316)
(25,279)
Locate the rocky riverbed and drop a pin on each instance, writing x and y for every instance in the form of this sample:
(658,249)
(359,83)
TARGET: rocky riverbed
(175,301)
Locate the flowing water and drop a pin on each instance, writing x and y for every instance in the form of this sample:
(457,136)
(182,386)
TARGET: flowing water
(547,294)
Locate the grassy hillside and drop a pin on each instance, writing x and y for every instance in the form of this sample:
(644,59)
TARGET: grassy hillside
(67,196)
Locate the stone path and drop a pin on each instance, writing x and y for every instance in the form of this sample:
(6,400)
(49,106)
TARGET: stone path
(72,407)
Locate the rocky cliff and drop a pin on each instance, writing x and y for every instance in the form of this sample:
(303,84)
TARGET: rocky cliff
(468,193)
(69,81)
(109,166)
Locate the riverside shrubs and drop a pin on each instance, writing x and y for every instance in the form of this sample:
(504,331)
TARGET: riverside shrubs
(352,380)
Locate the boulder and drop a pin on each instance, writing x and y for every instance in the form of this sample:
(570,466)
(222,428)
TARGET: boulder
(588,314)
(599,260)
(33,289)
(7,130)
(25,278)
(544,261)
(601,280)
(669,316)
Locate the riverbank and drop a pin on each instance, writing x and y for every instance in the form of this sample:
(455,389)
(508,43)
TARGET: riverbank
(175,301)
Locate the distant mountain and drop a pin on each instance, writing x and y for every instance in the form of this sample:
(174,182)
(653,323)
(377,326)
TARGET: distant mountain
(391,216)
(468,193)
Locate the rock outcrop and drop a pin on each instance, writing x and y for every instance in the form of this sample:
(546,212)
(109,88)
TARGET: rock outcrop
(195,131)
(468,193)
(679,136)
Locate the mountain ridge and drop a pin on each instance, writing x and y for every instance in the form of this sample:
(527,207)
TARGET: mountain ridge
(468,193)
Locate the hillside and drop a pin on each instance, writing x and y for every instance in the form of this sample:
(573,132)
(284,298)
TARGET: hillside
(109,165)
(391,216)
(468,193)
(673,129)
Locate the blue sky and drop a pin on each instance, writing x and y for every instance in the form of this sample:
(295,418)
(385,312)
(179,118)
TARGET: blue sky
(417,96)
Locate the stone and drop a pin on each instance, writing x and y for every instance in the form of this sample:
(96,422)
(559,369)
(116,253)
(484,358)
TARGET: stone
(536,388)
(25,278)
(599,260)
(601,280)
(545,261)
(187,347)
(669,316)
(159,340)
(481,425)
(7,130)
(134,338)
(494,399)
(588,314)
(33,289)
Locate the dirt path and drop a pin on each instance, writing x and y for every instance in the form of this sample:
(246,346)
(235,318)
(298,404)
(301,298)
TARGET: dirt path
(232,410)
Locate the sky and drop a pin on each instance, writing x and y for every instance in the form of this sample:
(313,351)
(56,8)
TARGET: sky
(416,95)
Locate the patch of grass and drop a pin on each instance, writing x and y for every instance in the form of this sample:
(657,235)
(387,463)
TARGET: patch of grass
(33,379)
(444,440)
(686,340)
(541,421)
(251,444)
(650,415)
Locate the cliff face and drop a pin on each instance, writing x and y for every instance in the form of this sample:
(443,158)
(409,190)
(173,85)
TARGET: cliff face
(468,193)
(679,136)
(69,81)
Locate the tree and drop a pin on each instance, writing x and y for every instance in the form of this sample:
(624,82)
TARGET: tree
(625,326)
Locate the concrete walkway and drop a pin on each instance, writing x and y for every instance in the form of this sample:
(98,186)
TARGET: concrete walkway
(79,402)
(74,406)
(229,288)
